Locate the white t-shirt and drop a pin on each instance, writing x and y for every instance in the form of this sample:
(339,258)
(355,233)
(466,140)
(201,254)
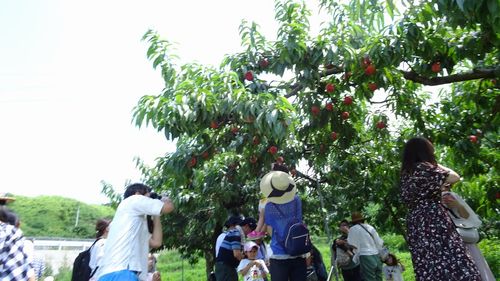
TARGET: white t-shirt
(127,246)
(254,273)
(393,273)
(218,242)
(96,254)
(364,243)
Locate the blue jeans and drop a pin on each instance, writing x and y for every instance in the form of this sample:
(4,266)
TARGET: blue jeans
(122,275)
(290,269)
(224,272)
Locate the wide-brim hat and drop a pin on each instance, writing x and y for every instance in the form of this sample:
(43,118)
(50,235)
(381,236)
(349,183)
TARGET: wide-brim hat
(278,187)
(6,197)
(357,217)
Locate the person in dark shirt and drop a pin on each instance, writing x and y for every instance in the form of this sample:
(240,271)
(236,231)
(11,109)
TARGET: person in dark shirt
(350,272)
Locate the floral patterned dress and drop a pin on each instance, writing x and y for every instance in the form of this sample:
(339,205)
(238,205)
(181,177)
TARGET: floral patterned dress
(437,250)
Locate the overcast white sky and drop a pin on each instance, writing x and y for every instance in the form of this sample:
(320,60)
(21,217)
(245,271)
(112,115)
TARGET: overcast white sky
(71,72)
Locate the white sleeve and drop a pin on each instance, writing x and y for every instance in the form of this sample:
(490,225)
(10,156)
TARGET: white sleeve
(242,264)
(377,238)
(352,237)
(146,206)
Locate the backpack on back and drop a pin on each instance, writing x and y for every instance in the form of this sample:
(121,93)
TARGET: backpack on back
(81,268)
(297,240)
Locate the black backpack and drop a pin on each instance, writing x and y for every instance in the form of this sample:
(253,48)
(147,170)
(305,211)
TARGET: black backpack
(81,268)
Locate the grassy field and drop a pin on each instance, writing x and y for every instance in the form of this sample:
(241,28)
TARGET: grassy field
(174,268)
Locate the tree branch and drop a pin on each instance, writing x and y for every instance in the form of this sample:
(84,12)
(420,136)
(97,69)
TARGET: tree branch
(434,81)
(297,87)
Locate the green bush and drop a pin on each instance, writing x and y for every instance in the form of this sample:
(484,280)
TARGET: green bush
(491,252)
(395,242)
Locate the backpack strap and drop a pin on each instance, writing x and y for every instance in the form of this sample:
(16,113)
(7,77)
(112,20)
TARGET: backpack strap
(371,235)
(360,224)
(95,269)
(283,215)
(94,242)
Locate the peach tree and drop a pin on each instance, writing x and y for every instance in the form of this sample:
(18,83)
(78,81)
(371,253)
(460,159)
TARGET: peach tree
(335,107)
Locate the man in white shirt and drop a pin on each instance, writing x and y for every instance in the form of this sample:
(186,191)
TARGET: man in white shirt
(129,241)
(367,242)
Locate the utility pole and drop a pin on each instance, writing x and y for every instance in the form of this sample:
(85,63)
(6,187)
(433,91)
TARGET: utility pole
(77,215)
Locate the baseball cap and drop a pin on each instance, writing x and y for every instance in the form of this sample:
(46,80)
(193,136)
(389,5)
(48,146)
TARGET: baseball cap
(249,246)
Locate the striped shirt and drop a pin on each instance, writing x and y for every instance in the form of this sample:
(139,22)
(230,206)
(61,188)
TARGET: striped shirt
(14,265)
(231,242)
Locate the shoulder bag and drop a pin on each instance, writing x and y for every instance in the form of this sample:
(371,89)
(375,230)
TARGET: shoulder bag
(383,252)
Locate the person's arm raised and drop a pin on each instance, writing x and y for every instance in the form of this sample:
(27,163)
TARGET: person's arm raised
(453,177)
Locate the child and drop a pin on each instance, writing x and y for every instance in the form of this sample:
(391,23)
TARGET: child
(153,275)
(251,268)
(261,226)
(393,270)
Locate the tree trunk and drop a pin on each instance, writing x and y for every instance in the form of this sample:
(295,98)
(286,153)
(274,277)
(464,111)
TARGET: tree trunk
(210,251)
(209,263)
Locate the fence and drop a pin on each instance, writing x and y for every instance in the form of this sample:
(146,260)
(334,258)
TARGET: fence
(59,252)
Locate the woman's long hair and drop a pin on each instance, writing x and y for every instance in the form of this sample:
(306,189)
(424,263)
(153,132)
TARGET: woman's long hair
(417,150)
(100,227)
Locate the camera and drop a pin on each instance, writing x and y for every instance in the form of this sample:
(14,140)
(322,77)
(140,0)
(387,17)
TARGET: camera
(154,195)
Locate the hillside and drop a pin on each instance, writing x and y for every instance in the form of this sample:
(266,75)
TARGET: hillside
(55,216)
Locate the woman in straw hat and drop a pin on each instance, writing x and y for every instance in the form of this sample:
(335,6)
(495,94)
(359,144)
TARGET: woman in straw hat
(283,205)
(437,250)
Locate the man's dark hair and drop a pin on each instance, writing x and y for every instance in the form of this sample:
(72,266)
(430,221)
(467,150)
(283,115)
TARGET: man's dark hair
(252,223)
(134,188)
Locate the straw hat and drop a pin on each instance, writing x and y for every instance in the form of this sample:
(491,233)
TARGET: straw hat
(357,217)
(278,187)
(6,197)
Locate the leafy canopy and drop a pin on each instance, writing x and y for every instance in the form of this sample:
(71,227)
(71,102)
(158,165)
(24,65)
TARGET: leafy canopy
(336,107)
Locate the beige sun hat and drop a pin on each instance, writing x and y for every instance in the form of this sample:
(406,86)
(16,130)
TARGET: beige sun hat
(6,197)
(278,187)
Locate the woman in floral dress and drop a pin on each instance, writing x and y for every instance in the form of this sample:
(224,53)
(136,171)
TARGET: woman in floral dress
(437,250)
